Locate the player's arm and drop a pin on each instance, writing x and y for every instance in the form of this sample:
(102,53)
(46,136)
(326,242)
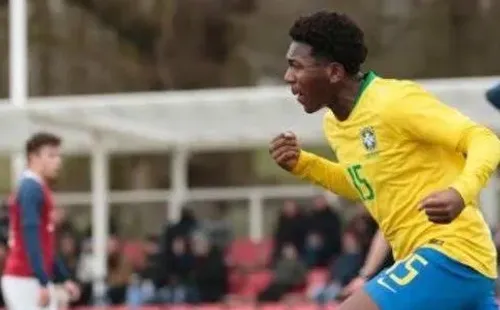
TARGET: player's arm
(286,152)
(325,173)
(379,249)
(71,287)
(423,117)
(30,197)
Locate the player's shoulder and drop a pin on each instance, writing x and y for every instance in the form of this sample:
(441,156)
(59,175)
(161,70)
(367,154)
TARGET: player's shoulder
(391,97)
(30,181)
(391,91)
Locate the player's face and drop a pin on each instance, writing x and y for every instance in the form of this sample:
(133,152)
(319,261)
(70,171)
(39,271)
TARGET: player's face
(313,81)
(49,158)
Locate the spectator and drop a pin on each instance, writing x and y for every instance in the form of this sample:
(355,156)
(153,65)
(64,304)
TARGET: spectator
(151,275)
(342,271)
(291,228)
(184,228)
(326,222)
(179,265)
(493,96)
(289,274)
(365,228)
(4,221)
(68,248)
(119,272)
(315,252)
(217,228)
(85,272)
(63,224)
(210,272)
(68,253)
(3,256)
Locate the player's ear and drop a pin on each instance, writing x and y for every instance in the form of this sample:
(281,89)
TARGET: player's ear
(335,72)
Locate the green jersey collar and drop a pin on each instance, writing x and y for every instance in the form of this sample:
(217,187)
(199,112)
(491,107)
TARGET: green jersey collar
(367,79)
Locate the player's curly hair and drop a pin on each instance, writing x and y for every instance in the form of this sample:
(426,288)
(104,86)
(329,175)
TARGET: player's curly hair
(332,36)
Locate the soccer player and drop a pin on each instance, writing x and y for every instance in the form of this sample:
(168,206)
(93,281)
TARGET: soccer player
(417,164)
(26,282)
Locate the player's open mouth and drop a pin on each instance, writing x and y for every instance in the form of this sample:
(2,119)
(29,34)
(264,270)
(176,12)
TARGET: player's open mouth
(300,98)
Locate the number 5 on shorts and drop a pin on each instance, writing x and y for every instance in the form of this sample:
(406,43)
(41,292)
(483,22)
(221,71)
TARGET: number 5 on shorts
(410,267)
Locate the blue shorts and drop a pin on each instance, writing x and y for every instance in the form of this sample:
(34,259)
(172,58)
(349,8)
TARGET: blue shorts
(430,280)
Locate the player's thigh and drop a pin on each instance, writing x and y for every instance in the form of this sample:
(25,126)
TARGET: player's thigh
(359,301)
(20,293)
(488,304)
(418,282)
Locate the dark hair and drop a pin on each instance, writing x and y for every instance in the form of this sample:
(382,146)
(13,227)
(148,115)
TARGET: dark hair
(41,139)
(333,36)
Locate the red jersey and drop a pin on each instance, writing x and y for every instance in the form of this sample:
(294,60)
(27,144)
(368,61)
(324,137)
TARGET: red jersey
(31,205)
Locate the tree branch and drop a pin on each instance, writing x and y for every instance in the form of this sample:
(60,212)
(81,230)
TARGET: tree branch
(140,32)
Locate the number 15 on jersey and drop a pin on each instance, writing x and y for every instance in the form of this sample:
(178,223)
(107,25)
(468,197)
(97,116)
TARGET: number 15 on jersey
(362,185)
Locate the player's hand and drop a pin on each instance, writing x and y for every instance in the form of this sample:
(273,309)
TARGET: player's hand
(443,207)
(355,284)
(285,150)
(73,290)
(44,297)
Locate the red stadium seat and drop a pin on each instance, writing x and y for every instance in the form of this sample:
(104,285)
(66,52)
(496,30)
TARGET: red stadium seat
(237,281)
(241,252)
(242,307)
(256,282)
(266,249)
(245,252)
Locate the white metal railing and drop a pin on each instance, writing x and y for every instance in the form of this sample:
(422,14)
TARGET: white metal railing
(208,194)
(255,196)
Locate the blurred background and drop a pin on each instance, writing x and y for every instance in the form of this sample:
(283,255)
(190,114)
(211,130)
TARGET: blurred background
(168,195)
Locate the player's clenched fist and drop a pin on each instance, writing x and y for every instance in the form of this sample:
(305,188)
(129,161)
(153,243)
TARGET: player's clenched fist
(285,150)
(443,207)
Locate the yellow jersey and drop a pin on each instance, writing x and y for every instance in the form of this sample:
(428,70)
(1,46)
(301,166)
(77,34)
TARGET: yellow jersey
(398,145)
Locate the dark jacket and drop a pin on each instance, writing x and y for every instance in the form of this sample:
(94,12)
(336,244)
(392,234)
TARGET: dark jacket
(493,96)
(327,223)
(210,276)
(290,229)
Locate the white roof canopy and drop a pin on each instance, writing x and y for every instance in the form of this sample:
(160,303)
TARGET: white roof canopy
(207,119)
